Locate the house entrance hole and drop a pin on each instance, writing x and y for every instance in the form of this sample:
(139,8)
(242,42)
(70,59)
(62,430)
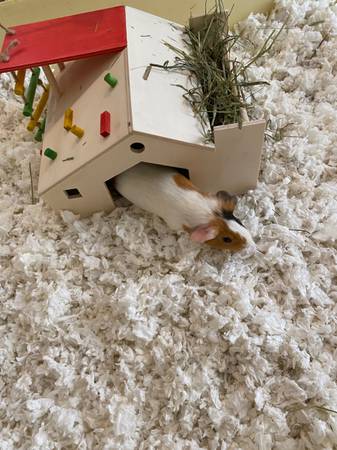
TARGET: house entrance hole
(110,184)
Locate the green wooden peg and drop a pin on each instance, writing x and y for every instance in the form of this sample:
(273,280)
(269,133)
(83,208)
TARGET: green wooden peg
(28,108)
(50,153)
(110,80)
(39,134)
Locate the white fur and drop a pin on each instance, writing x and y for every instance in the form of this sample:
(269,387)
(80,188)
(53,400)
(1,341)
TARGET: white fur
(237,228)
(177,206)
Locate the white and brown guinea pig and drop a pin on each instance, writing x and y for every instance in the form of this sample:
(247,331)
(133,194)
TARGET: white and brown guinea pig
(165,192)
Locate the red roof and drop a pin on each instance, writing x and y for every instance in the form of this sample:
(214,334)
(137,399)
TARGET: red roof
(66,38)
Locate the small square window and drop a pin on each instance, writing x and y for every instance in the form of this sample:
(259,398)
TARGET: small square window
(73,193)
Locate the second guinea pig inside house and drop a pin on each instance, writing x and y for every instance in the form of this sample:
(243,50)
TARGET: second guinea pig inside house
(208,218)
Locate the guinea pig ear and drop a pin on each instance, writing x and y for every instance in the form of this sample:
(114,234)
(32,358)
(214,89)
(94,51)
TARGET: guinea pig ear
(204,233)
(228,201)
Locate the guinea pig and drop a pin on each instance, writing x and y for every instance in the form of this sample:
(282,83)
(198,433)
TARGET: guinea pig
(165,192)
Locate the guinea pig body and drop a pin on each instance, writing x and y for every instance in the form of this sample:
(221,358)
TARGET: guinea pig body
(165,192)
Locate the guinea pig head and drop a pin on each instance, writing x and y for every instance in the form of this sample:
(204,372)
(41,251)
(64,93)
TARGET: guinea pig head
(224,231)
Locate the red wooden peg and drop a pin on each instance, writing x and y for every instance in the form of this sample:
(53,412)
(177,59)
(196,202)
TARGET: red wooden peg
(105,124)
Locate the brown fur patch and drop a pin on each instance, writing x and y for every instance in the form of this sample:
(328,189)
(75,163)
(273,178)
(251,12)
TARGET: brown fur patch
(237,243)
(227,201)
(185,183)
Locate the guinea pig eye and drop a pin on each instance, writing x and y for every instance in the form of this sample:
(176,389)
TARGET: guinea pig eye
(228,240)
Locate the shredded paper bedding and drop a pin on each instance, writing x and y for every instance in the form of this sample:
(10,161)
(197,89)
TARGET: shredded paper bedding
(117,333)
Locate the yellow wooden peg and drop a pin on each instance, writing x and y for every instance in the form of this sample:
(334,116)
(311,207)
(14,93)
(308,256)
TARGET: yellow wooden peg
(19,84)
(41,105)
(68,119)
(38,110)
(77,131)
(31,125)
